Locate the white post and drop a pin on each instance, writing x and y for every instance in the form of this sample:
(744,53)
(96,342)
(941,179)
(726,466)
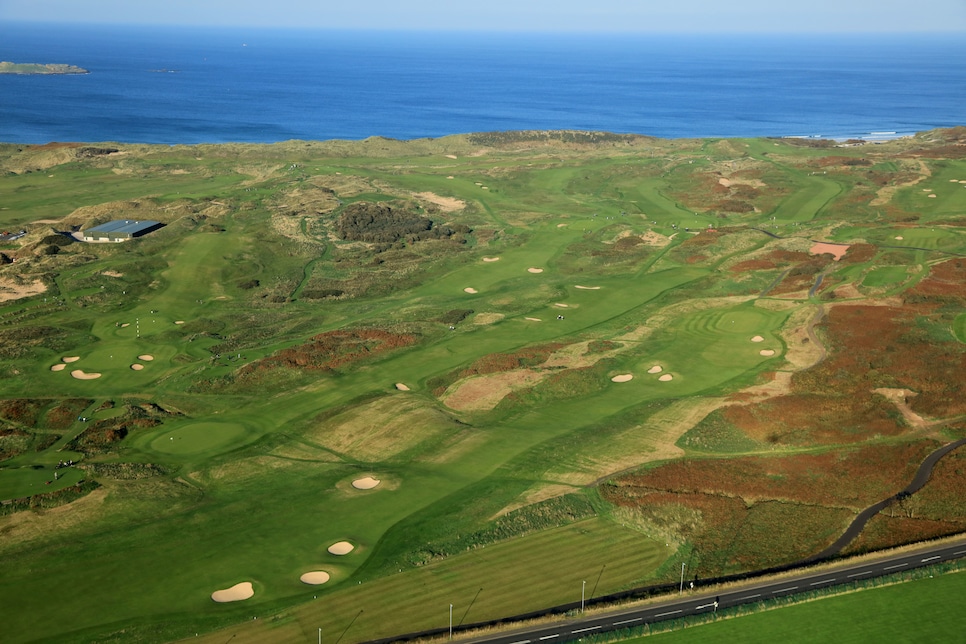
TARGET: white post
(451,621)
(681,589)
(583,585)
(320,636)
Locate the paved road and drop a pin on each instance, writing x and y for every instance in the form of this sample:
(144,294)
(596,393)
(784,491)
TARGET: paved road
(697,602)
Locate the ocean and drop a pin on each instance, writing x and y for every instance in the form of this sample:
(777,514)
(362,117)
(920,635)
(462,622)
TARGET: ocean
(194,85)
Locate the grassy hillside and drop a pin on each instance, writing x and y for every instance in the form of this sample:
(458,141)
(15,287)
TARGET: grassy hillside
(565,358)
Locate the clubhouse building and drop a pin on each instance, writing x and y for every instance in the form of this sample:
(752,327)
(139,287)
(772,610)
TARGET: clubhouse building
(120,230)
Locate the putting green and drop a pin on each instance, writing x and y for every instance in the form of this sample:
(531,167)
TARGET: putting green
(199,437)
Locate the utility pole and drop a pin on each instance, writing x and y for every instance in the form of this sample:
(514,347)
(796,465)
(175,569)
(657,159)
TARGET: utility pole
(583,586)
(451,621)
(681,589)
(320,636)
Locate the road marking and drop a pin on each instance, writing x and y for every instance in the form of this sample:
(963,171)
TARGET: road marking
(749,597)
(549,637)
(895,566)
(930,558)
(673,612)
(784,590)
(961,552)
(824,581)
(703,606)
(584,630)
(521,642)
(628,621)
(859,574)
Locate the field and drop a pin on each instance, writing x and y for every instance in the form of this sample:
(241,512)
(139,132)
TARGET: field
(914,611)
(496,365)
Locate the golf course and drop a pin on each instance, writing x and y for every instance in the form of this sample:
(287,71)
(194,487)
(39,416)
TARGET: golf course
(370,387)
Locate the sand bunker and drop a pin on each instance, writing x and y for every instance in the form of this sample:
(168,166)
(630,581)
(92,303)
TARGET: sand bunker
(837,251)
(81,375)
(137,366)
(899,238)
(534,319)
(932,196)
(562,305)
(450,177)
(766,352)
(126,324)
(58,367)
(315,577)
(71,358)
(656,369)
(491,259)
(588,288)
(470,290)
(561,225)
(341,548)
(666,377)
(450,156)
(758,338)
(179,321)
(401,387)
(147,357)
(624,377)
(534,270)
(365,483)
(236,593)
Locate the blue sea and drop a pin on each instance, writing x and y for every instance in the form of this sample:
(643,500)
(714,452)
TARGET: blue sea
(193,85)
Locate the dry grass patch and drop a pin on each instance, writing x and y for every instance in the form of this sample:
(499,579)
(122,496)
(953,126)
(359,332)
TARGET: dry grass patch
(446,204)
(15,289)
(380,429)
(483,393)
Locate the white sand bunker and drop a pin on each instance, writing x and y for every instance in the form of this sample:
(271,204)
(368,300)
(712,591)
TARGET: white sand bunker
(470,290)
(147,357)
(58,367)
(758,338)
(899,237)
(137,366)
(666,377)
(236,593)
(179,321)
(365,483)
(656,369)
(450,177)
(401,387)
(315,577)
(534,270)
(561,225)
(491,259)
(70,358)
(624,377)
(767,352)
(588,288)
(534,319)
(341,548)
(82,375)
(562,305)
(125,324)
(931,196)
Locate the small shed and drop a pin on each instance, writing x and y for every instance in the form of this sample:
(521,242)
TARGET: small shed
(120,230)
